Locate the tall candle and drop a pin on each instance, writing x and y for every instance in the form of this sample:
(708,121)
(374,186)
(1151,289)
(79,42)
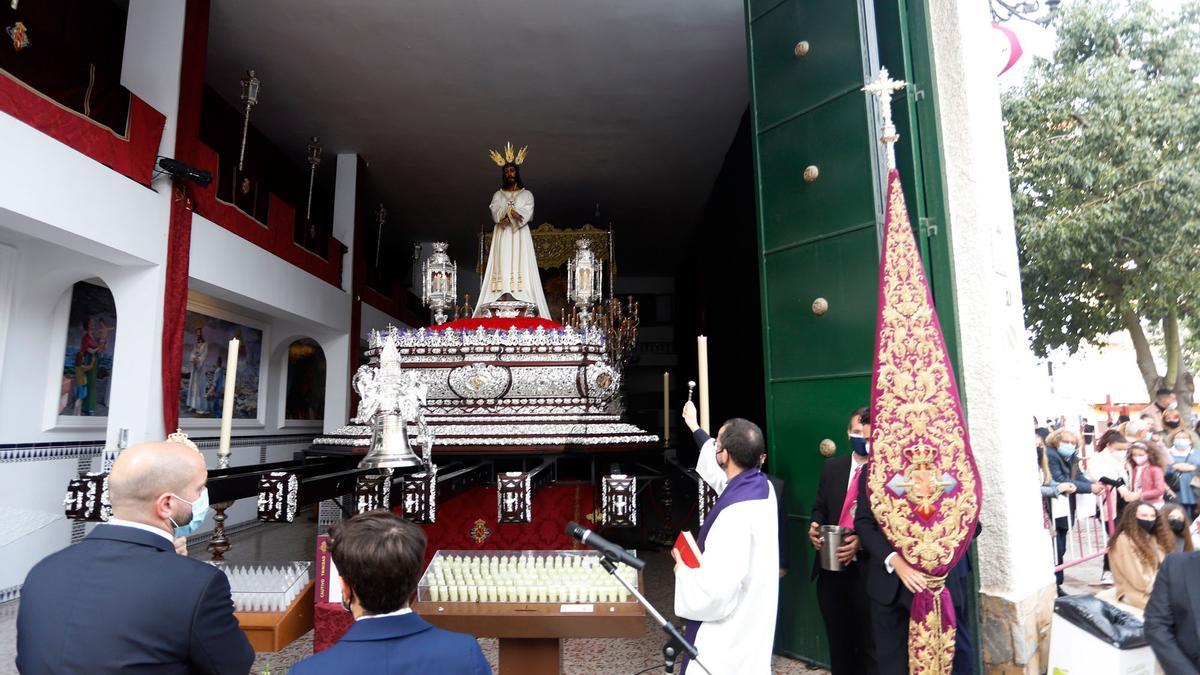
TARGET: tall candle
(666,407)
(227,406)
(702,356)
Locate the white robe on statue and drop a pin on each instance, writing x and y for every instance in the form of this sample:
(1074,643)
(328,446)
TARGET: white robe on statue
(735,591)
(511,263)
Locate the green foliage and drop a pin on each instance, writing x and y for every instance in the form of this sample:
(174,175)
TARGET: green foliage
(1104,152)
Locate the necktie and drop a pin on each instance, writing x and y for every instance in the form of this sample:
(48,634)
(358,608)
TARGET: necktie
(847,518)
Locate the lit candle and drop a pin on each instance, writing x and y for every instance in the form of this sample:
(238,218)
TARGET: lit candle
(227,407)
(702,356)
(666,407)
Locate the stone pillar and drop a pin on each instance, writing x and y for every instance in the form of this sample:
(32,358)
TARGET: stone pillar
(1015,567)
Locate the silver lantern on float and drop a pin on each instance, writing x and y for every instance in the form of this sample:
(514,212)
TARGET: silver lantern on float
(391,398)
(584,276)
(439,281)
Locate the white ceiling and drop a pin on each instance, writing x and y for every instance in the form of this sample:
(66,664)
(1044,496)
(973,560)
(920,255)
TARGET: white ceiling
(629,103)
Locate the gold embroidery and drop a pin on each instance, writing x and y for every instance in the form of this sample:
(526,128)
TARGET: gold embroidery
(919,443)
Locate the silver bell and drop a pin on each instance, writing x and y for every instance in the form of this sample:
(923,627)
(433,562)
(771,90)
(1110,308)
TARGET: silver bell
(389,444)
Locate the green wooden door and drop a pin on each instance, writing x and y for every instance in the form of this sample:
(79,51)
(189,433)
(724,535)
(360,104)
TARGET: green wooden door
(817,239)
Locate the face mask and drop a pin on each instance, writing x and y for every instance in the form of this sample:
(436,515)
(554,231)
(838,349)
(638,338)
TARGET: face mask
(1120,454)
(860,445)
(1066,450)
(1171,424)
(1177,525)
(1183,446)
(1147,525)
(1173,405)
(1141,459)
(199,513)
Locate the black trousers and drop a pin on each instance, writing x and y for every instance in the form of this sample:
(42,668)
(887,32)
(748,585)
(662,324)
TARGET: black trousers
(889,623)
(842,597)
(1061,543)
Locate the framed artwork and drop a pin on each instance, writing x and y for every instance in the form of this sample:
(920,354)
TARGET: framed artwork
(304,398)
(202,382)
(87,357)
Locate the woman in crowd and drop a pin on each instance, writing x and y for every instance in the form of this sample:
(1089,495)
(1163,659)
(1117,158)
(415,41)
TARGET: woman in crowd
(1185,458)
(1172,422)
(1146,475)
(1176,518)
(1136,550)
(1108,468)
(1062,459)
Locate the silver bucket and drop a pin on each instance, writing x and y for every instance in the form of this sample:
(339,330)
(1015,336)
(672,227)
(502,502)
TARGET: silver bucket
(832,537)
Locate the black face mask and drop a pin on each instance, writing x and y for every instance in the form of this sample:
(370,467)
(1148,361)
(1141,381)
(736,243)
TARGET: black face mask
(1177,525)
(346,601)
(1173,424)
(1147,525)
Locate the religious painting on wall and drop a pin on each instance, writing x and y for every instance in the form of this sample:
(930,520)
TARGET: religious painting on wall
(305,398)
(87,358)
(202,384)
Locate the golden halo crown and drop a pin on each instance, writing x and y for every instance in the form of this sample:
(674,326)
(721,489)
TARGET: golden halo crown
(509,157)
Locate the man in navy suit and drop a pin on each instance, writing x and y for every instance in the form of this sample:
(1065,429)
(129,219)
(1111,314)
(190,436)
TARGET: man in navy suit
(122,600)
(378,556)
(1173,614)
(842,596)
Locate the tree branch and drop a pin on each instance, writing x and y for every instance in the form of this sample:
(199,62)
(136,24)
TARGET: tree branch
(1171,341)
(1141,347)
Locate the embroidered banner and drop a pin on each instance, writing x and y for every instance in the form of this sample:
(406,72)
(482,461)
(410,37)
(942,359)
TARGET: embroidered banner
(923,486)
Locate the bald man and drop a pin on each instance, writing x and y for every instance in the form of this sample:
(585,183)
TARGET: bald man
(122,600)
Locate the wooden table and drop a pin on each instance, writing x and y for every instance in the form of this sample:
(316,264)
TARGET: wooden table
(531,633)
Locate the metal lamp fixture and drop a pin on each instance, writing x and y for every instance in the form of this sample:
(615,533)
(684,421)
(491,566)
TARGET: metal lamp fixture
(585,275)
(1025,10)
(380,218)
(250,87)
(314,160)
(439,277)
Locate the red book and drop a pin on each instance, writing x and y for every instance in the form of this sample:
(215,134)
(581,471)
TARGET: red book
(689,552)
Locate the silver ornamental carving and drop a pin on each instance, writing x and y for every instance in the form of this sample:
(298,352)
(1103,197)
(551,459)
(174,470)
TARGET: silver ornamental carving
(514,497)
(88,498)
(420,496)
(439,287)
(584,278)
(373,493)
(618,494)
(707,498)
(277,493)
(394,398)
(603,381)
(480,381)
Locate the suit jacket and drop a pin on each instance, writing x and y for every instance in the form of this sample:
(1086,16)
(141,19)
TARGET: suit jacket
(395,645)
(1172,619)
(122,601)
(831,495)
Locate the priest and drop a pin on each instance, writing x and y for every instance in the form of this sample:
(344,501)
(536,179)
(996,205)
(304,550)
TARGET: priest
(730,599)
(512,271)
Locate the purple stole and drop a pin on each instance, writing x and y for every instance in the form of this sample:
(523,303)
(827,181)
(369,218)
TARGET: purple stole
(746,486)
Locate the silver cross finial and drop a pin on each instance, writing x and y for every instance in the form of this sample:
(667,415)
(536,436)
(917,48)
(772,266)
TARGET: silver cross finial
(883,87)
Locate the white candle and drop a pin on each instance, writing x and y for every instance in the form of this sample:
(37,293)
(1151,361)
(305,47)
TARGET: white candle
(666,407)
(702,356)
(227,407)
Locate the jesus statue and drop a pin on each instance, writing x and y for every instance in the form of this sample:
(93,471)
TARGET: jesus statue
(512,271)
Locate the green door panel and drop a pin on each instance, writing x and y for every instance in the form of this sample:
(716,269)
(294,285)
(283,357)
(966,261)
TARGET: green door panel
(841,269)
(816,239)
(834,138)
(787,84)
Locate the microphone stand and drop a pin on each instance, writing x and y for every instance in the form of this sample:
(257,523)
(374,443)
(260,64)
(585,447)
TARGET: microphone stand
(675,641)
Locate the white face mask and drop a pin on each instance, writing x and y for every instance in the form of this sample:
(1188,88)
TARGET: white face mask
(1120,454)
(1173,405)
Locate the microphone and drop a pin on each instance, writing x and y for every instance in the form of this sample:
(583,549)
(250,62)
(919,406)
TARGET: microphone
(609,549)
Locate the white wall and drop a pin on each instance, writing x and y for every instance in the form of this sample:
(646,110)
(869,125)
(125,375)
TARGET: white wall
(995,357)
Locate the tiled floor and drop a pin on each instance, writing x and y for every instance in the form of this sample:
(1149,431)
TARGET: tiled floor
(294,542)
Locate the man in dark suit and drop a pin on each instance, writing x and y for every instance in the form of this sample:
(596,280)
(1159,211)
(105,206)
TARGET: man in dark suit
(781,513)
(378,556)
(1172,619)
(122,600)
(891,583)
(842,595)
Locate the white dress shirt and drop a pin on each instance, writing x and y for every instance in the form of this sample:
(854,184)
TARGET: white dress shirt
(142,526)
